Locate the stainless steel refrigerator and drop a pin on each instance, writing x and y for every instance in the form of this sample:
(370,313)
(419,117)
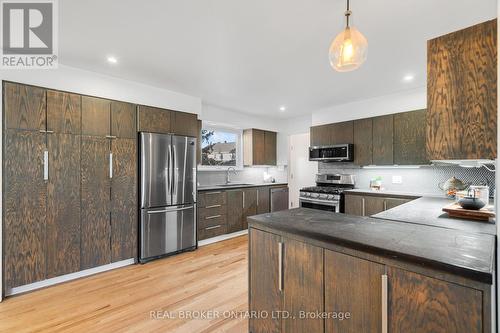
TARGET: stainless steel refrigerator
(167,195)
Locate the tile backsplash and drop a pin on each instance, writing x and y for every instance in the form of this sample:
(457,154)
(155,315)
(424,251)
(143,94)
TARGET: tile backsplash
(425,179)
(254,175)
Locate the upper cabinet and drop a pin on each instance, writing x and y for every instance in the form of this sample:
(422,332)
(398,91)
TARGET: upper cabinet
(259,147)
(332,134)
(64,112)
(25,107)
(462,94)
(409,138)
(165,121)
(96,117)
(383,138)
(123,120)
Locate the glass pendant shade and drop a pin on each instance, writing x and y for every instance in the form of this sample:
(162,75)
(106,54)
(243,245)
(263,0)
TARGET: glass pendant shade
(348,50)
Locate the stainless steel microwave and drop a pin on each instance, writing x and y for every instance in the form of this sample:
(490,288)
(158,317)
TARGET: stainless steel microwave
(335,153)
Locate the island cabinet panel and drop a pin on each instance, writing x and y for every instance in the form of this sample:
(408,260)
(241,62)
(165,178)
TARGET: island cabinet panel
(154,120)
(462,94)
(249,204)
(303,287)
(383,135)
(63,204)
(265,295)
(234,210)
(353,286)
(423,304)
(95,192)
(64,112)
(123,120)
(363,144)
(24,107)
(409,138)
(263,200)
(124,200)
(24,208)
(96,116)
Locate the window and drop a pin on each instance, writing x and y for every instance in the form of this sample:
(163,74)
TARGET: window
(220,147)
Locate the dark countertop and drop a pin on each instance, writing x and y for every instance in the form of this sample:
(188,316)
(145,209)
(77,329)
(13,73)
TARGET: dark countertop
(458,252)
(428,211)
(219,187)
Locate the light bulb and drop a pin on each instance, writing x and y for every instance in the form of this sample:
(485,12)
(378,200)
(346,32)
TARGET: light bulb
(348,50)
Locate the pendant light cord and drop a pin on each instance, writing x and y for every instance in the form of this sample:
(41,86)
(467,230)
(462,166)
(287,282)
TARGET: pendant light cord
(348,13)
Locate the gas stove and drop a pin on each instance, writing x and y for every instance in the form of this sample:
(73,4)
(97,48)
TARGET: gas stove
(328,192)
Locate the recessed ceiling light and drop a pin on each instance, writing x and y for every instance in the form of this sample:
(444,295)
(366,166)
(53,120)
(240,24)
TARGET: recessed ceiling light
(112,60)
(408,78)
(282,108)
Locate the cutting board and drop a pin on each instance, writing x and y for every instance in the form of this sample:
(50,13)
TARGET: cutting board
(454,210)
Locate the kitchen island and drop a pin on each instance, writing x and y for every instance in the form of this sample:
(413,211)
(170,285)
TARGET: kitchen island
(320,267)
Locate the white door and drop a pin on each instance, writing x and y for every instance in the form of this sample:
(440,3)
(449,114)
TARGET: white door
(301,171)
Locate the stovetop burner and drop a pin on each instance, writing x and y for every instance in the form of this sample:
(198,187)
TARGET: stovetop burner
(323,189)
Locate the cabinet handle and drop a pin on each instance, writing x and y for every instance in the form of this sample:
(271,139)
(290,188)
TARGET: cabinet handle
(385,205)
(213,206)
(111,136)
(385,302)
(46,165)
(214,227)
(363,209)
(280,266)
(210,193)
(110,165)
(243,199)
(212,217)
(257,199)
(46,131)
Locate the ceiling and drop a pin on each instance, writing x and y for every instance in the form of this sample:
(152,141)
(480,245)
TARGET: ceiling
(255,56)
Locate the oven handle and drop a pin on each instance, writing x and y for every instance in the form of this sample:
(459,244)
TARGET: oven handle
(324,202)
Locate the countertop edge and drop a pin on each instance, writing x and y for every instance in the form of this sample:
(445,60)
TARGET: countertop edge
(212,188)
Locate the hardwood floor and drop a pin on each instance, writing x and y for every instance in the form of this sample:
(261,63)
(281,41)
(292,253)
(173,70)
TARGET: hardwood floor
(212,278)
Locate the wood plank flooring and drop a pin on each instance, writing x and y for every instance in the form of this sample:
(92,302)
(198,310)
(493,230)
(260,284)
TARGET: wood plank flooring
(212,278)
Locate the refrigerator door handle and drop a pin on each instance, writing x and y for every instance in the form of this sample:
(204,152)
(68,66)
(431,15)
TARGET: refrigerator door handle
(174,171)
(169,175)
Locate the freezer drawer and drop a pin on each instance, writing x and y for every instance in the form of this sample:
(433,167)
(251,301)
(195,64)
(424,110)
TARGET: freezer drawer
(167,230)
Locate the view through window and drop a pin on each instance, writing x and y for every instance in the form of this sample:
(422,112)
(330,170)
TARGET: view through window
(219,147)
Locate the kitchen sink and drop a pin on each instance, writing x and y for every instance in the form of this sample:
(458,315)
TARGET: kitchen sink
(233,184)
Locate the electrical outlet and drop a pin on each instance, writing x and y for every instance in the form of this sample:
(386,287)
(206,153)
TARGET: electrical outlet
(397,179)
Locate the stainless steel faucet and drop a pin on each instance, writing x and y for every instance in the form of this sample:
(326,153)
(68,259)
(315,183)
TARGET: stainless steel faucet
(228,179)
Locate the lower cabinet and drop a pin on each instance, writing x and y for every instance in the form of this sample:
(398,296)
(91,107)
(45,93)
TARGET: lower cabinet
(249,204)
(295,286)
(368,205)
(234,210)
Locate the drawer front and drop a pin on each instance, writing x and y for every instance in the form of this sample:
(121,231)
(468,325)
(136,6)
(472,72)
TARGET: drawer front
(212,231)
(208,211)
(211,198)
(212,220)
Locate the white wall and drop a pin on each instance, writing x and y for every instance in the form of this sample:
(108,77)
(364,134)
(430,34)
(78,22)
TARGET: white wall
(301,171)
(404,101)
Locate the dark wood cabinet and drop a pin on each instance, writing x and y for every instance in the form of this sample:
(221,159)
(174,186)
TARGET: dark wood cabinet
(355,205)
(249,204)
(64,112)
(259,147)
(409,138)
(353,285)
(96,116)
(419,303)
(24,208)
(234,210)
(303,287)
(321,135)
(332,134)
(63,204)
(263,200)
(363,143)
(124,200)
(373,205)
(123,120)
(462,94)
(383,136)
(185,124)
(394,202)
(155,120)
(368,205)
(24,106)
(213,219)
(95,201)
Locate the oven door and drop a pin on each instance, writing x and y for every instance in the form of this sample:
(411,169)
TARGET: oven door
(331,206)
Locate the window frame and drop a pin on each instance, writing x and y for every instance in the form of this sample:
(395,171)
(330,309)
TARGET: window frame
(239,148)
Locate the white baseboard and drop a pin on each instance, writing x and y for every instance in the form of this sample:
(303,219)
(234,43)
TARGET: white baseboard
(67,277)
(222,237)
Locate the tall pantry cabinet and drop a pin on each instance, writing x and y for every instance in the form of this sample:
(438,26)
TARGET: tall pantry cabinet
(67,204)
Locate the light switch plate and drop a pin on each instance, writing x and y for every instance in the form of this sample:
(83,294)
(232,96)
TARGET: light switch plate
(397,179)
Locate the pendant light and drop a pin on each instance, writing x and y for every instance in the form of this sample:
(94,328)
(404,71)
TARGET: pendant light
(349,49)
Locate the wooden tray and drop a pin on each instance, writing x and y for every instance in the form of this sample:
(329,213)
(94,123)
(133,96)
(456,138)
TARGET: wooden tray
(454,210)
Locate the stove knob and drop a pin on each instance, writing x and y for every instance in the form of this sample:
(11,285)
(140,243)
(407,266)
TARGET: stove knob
(314,195)
(330,197)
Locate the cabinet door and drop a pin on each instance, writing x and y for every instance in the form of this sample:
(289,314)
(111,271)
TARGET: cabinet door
(263,200)
(321,135)
(123,120)
(234,210)
(270,148)
(154,119)
(363,145)
(63,204)
(383,133)
(95,215)
(409,138)
(353,285)
(124,200)
(24,208)
(185,124)
(249,204)
(354,205)
(302,286)
(374,205)
(64,112)
(95,116)
(343,133)
(25,107)
(394,202)
(422,304)
(264,293)
(258,147)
